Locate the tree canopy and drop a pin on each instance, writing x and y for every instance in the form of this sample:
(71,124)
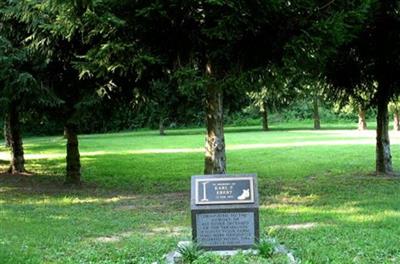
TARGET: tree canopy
(173,59)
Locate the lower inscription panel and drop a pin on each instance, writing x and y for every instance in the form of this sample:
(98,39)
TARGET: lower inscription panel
(225,229)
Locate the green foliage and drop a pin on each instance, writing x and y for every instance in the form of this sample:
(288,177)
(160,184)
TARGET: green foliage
(366,64)
(265,248)
(19,86)
(114,53)
(337,24)
(394,106)
(309,55)
(15,83)
(190,253)
(274,92)
(189,81)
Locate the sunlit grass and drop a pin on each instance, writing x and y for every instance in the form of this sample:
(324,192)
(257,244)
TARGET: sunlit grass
(317,196)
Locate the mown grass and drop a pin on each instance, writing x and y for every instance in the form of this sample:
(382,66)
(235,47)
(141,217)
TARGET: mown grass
(318,196)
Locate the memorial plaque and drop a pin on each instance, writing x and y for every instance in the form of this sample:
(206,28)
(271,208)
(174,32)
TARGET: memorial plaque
(225,211)
(227,190)
(224,229)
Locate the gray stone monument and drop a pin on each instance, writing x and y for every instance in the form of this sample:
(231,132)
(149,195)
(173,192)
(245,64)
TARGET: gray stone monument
(225,211)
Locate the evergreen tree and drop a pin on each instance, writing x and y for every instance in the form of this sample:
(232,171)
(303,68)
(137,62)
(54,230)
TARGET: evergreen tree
(20,91)
(64,33)
(368,64)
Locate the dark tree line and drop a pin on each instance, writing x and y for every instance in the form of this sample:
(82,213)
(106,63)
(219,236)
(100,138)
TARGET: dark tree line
(59,59)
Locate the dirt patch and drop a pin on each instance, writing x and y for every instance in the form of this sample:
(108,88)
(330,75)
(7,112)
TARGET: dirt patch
(17,177)
(296,226)
(113,238)
(394,176)
(169,231)
(126,207)
(107,239)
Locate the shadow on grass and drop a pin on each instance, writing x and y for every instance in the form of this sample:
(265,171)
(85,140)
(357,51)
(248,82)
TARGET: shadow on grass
(229,130)
(169,132)
(201,131)
(45,148)
(355,206)
(330,218)
(170,172)
(33,182)
(337,219)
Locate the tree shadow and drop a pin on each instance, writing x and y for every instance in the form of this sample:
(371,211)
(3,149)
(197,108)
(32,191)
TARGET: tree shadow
(45,148)
(32,182)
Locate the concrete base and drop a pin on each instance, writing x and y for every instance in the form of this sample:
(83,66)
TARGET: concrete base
(175,257)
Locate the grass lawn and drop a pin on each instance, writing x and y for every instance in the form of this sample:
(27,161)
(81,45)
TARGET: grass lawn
(318,196)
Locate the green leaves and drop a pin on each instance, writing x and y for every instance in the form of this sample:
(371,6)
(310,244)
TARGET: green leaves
(114,59)
(15,83)
(88,44)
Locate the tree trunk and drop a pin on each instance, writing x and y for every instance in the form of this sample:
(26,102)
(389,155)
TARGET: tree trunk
(383,154)
(317,122)
(264,114)
(17,162)
(161,127)
(73,158)
(396,120)
(6,131)
(215,159)
(362,123)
